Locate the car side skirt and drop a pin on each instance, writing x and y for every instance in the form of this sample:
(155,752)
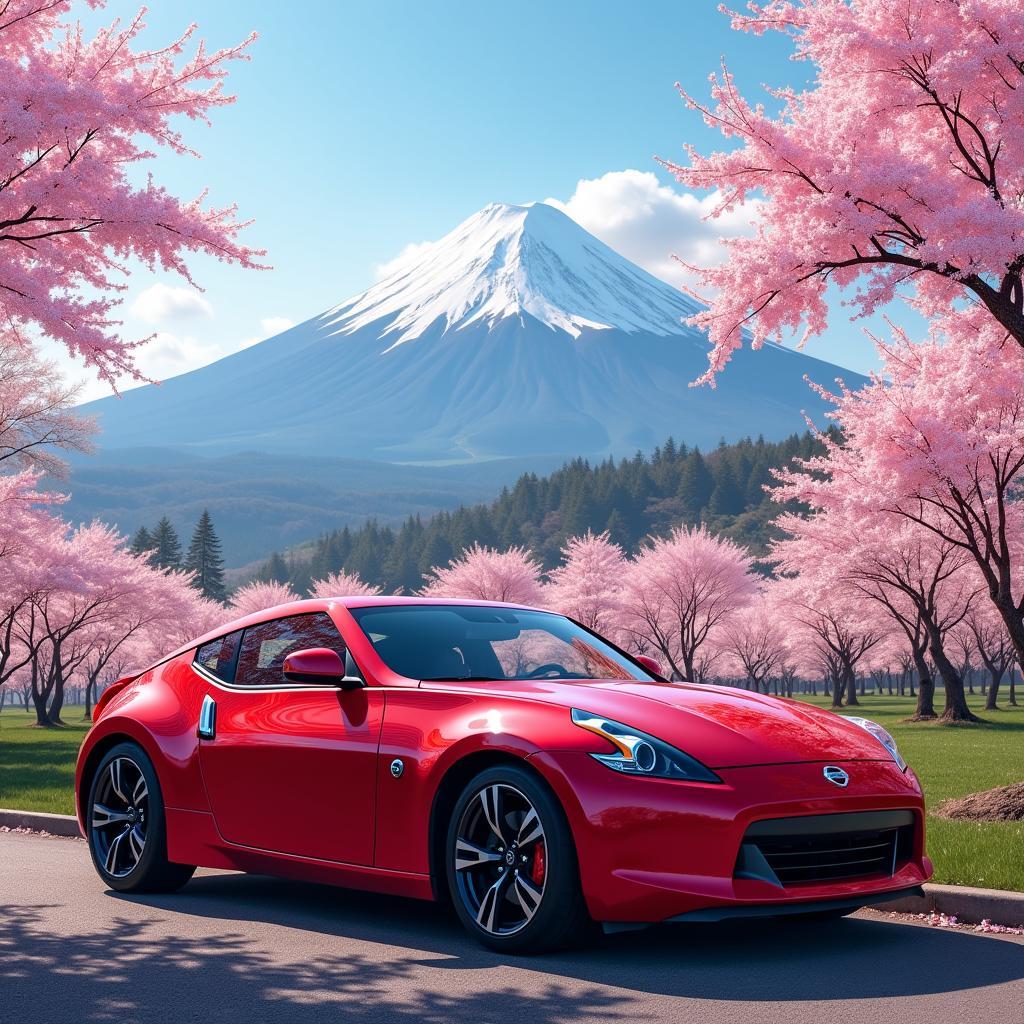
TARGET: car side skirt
(193,839)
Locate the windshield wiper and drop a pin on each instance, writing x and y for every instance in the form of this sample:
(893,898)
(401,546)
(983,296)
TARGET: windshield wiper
(462,679)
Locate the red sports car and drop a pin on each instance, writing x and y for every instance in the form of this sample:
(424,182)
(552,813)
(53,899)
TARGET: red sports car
(499,756)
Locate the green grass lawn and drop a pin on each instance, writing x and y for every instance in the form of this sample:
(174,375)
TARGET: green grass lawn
(37,766)
(37,771)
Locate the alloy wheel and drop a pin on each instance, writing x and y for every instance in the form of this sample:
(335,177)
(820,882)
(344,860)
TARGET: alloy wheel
(501,859)
(118,817)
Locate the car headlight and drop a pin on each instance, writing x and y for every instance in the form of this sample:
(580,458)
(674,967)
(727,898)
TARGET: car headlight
(882,735)
(639,754)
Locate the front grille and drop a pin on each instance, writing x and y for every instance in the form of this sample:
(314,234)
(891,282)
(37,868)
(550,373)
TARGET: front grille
(826,847)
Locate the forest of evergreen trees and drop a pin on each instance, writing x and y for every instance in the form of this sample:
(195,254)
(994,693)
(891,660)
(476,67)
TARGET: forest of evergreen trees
(631,499)
(203,559)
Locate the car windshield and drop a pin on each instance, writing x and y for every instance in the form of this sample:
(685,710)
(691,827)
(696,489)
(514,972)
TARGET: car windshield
(453,642)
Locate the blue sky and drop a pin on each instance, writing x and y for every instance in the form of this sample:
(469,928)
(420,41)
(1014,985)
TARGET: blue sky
(361,128)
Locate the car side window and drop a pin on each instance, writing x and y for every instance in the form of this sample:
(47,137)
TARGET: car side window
(265,646)
(218,657)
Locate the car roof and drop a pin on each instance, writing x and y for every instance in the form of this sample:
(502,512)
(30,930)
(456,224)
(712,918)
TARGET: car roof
(322,604)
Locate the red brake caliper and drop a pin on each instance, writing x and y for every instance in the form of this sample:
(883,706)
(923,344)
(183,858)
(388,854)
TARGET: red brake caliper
(538,867)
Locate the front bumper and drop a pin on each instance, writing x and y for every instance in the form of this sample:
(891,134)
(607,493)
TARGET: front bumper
(653,849)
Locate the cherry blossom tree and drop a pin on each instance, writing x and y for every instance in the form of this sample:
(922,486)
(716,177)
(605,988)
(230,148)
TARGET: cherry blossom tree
(36,414)
(992,643)
(937,440)
(756,640)
(155,611)
(924,585)
(587,585)
(681,589)
(256,596)
(98,594)
(79,115)
(485,574)
(29,535)
(900,168)
(342,584)
(827,615)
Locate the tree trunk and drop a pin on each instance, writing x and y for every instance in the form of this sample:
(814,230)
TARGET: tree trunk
(1013,686)
(57,704)
(1014,626)
(850,681)
(993,689)
(838,685)
(688,658)
(956,709)
(925,690)
(89,688)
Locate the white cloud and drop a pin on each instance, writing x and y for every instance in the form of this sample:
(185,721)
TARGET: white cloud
(275,325)
(170,354)
(407,255)
(648,222)
(269,326)
(160,303)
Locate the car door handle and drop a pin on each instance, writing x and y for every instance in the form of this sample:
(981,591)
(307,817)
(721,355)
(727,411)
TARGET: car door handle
(207,719)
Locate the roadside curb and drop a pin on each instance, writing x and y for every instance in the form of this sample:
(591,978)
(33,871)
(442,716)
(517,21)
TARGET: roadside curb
(964,903)
(55,824)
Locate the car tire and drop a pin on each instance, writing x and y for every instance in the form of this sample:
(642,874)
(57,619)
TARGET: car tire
(511,864)
(126,827)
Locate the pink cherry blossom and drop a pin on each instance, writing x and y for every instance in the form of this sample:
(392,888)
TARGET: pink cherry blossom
(484,574)
(342,584)
(755,642)
(681,590)
(256,596)
(80,115)
(587,586)
(936,441)
(900,170)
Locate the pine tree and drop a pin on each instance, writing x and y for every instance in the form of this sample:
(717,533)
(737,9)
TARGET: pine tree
(617,532)
(204,559)
(143,544)
(727,497)
(697,483)
(276,570)
(166,546)
(631,498)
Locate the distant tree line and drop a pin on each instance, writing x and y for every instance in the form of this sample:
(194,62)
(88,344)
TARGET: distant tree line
(630,499)
(203,559)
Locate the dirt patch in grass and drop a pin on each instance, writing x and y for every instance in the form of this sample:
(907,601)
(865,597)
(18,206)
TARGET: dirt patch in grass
(1006,803)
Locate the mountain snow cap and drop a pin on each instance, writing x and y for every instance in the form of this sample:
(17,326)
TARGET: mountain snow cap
(515,261)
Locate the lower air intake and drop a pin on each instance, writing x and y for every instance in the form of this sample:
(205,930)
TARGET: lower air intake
(825,848)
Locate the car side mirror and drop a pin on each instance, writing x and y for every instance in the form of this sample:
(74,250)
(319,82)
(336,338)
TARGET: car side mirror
(651,664)
(319,666)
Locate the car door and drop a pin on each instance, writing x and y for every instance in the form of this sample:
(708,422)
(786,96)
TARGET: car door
(289,768)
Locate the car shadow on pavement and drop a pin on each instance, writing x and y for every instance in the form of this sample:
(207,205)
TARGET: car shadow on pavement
(131,971)
(781,960)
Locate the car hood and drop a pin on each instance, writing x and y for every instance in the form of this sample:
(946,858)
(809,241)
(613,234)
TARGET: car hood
(721,726)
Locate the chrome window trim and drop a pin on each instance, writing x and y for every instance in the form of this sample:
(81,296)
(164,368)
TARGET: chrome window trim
(267,688)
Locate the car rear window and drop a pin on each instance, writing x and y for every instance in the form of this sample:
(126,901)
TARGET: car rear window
(219,656)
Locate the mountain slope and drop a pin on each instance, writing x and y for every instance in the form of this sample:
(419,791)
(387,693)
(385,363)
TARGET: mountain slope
(517,335)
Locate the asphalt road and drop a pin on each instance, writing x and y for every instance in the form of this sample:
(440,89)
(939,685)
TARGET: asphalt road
(240,948)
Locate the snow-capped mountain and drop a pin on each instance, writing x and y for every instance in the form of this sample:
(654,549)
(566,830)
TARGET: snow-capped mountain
(517,334)
(515,261)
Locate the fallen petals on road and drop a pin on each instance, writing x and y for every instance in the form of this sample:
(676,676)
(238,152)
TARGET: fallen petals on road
(935,920)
